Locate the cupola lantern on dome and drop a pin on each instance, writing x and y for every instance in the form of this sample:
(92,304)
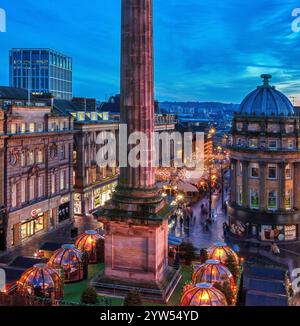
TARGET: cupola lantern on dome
(266,101)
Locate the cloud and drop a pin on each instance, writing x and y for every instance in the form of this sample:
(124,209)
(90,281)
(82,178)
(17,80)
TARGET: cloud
(203,50)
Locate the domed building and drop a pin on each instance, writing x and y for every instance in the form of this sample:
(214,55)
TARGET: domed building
(265,167)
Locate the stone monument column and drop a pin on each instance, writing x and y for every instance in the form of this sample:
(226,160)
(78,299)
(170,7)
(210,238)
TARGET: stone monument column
(136,218)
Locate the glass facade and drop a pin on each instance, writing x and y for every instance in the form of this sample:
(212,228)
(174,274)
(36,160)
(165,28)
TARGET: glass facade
(42,71)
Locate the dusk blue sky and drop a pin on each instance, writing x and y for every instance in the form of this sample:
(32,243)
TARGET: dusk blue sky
(212,50)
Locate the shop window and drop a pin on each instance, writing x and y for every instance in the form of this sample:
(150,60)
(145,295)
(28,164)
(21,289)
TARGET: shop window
(272,200)
(254,198)
(290,232)
(272,233)
(254,170)
(272,172)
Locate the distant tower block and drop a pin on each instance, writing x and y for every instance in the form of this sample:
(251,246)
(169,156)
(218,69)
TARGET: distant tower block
(136,219)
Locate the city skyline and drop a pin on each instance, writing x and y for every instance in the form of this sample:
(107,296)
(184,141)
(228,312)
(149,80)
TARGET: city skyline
(221,52)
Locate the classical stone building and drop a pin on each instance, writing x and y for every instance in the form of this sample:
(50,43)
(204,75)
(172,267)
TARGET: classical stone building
(36,148)
(265,167)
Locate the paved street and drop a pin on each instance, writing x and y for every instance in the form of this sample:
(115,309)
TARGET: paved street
(196,233)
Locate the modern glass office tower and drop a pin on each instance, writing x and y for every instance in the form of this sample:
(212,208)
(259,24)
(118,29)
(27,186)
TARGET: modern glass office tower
(42,71)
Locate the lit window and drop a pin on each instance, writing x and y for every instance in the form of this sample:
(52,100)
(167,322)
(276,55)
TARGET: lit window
(272,144)
(22,159)
(272,172)
(288,199)
(13,128)
(23,128)
(62,180)
(253,143)
(239,195)
(32,188)
(254,198)
(272,200)
(31,127)
(40,157)
(31,157)
(254,170)
(288,172)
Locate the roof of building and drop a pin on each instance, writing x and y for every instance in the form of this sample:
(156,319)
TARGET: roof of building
(266,100)
(13,93)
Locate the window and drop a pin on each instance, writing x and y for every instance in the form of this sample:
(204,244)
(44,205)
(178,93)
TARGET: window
(31,127)
(272,144)
(239,126)
(289,128)
(239,195)
(62,180)
(14,195)
(291,144)
(53,187)
(288,172)
(31,188)
(22,159)
(23,191)
(239,142)
(13,128)
(254,198)
(288,200)
(23,128)
(40,157)
(31,157)
(272,200)
(253,143)
(62,152)
(272,172)
(254,170)
(41,186)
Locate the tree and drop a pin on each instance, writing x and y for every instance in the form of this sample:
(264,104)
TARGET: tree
(89,296)
(133,299)
(203,256)
(227,291)
(85,264)
(188,252)
(232,266)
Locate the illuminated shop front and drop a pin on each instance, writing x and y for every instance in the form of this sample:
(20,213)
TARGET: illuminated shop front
(33,225)
(89,201)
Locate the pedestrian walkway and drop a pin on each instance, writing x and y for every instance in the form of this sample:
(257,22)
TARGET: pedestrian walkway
(195,232)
